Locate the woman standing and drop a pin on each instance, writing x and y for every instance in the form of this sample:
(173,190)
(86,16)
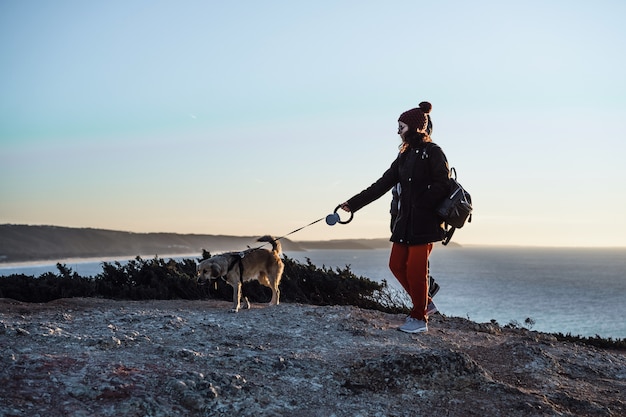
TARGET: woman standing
(421,174)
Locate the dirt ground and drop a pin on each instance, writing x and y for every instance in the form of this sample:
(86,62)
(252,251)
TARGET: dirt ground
(96,357)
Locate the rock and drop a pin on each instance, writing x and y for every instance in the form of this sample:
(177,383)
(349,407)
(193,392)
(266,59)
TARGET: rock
(22,332)
(162,358)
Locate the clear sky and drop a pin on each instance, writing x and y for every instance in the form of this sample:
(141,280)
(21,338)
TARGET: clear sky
(250,117)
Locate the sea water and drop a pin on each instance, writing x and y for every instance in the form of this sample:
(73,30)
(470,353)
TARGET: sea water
(564,290)
(577,291)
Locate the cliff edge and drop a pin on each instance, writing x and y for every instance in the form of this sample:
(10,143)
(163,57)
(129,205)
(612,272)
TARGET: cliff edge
(86,357)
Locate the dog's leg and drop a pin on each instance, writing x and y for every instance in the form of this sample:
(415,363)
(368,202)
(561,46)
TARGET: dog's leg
(236,297)
(277,277)
(275,296)
(275,290)
(264,279)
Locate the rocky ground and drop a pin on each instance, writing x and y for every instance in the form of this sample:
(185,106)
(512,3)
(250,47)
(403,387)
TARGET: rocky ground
(95,357)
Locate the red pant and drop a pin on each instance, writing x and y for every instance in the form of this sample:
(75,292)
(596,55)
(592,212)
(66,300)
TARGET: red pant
(409,264)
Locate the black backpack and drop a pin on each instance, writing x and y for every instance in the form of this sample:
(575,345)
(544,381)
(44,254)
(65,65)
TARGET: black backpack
(456,209)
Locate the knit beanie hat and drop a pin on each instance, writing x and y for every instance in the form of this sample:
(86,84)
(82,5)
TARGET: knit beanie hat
(417,118)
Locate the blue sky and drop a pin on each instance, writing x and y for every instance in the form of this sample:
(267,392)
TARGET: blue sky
(247,118)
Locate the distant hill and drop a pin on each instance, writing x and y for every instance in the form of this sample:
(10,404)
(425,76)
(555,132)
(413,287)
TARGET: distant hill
(20,243)
(352,244)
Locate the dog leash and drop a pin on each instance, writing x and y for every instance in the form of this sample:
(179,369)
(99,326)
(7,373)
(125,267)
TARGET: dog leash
(238,256)
(279,238)
(331,220)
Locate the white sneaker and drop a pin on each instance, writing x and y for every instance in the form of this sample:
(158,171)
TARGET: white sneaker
(413,325)
(431,308)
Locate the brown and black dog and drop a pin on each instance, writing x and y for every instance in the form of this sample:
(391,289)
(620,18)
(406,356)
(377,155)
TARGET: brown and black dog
(238,267)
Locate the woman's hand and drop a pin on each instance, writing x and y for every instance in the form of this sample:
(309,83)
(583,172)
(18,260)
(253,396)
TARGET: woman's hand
(345,207)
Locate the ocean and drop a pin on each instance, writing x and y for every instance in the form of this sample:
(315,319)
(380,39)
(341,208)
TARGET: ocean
(564,290)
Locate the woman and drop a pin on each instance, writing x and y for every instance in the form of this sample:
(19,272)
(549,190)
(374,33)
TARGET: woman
(421,174)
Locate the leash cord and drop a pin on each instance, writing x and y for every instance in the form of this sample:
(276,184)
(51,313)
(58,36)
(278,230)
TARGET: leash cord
(292,232)
(297,230)
(241,255)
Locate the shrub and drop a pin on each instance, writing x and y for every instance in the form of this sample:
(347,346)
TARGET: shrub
(310,284)
(47,287)
(597,341)
(140,279)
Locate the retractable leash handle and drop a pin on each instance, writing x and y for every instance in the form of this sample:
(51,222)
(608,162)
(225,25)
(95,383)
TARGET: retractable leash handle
(334,218)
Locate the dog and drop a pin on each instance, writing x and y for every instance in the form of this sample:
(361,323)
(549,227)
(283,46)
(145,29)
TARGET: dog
(238,267)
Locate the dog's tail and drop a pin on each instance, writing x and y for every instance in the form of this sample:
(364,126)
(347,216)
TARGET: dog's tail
(276,247)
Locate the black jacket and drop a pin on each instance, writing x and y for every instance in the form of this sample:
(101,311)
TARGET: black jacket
(422,174)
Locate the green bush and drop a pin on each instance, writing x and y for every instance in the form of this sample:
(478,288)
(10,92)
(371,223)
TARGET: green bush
(310,284)
(597,341)
(46,287)
(140,279)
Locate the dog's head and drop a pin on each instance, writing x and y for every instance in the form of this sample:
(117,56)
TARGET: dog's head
(208,270)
